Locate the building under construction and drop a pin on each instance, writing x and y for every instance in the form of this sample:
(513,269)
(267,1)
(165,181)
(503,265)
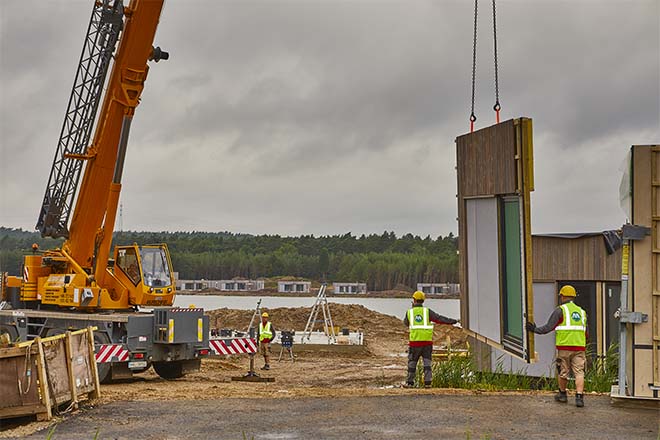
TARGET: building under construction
(509,277)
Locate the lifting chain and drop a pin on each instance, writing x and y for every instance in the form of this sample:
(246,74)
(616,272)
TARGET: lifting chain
(497,107)
(473,118)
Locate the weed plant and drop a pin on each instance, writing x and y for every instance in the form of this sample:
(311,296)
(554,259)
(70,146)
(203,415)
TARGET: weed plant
(460,371)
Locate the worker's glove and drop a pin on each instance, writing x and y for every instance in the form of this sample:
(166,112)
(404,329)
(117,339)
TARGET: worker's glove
(530,326)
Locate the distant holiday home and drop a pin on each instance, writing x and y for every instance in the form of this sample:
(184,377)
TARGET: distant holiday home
(222,285)
(438,288)
(294,286)
(344,288)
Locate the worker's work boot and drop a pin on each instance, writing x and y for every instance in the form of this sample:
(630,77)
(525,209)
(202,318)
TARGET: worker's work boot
(561,397)
(579,400)
(266,367)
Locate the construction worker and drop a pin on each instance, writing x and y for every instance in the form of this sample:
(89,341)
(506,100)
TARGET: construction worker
(419,320)
(569,322)
(266,335)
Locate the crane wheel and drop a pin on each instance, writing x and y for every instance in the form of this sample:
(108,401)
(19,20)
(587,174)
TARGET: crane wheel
(169,370)
(10,331)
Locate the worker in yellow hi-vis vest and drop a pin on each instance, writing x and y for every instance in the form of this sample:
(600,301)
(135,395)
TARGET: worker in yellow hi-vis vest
(419,320)
(266,336)
(569,321)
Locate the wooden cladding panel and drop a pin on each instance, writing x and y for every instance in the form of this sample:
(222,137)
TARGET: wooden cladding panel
(486,161)
(584,258)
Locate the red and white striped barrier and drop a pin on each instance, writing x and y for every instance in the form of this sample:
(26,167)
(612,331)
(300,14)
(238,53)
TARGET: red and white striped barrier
(186,309)
(107,352)
(233,346)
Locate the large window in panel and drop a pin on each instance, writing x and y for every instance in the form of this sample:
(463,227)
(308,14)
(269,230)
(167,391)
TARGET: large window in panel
(512,274)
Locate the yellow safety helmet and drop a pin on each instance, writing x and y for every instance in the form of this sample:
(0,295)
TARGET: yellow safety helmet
(419,296)
(568,290)
(264,315)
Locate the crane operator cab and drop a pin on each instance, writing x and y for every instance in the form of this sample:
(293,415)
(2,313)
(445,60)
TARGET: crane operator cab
(147,273)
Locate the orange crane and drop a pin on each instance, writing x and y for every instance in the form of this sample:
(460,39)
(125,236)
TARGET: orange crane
(78,284)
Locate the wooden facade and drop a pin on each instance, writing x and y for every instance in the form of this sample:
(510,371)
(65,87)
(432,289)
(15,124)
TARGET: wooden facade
(486,161)
(574,257)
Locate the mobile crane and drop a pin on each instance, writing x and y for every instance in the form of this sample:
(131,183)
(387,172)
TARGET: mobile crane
(79,284)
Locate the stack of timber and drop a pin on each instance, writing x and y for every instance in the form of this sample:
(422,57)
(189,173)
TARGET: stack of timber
(40,376)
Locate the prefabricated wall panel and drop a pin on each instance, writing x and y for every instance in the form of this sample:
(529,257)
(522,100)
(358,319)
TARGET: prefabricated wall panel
(645,291)
(496,162)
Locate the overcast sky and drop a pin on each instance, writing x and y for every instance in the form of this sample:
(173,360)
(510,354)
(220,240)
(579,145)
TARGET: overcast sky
(323,117)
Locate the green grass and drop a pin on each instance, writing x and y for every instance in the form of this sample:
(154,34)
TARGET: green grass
(603,371)
(468,435)
(461,372)
(51,433)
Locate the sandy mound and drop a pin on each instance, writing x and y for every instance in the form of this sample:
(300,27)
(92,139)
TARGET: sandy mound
(382,333)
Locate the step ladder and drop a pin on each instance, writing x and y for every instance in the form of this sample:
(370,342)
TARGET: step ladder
(328,326)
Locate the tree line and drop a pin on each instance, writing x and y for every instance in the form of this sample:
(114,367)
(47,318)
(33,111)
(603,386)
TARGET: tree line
(382,261)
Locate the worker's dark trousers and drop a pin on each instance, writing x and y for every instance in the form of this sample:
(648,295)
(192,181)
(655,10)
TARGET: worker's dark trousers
(414,353)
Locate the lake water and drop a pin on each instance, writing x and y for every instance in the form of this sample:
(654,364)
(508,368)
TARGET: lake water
(388,306)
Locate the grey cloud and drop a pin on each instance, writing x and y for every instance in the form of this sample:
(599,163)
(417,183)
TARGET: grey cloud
(329,116)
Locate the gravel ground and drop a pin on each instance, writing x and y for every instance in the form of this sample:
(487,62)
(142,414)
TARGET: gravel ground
(414,414)
(330,394)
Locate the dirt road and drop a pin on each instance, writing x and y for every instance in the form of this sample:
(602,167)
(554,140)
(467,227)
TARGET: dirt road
(414,414)
(325,394)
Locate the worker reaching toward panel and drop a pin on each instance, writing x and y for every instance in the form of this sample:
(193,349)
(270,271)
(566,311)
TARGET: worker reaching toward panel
(570,324)
(419,320)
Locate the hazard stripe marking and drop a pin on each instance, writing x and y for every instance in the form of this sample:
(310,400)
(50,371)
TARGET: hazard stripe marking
(233,346)
(108,352)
